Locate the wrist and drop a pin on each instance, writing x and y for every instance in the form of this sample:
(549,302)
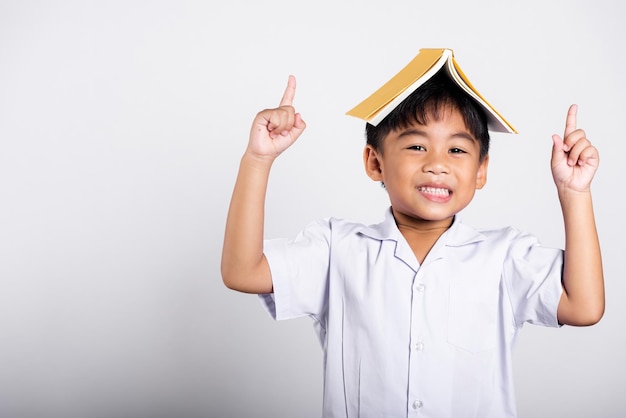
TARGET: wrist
(568,192)
(571,198)
(260,161)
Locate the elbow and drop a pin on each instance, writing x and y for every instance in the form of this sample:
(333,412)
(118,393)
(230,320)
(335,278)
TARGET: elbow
(588,321)
(580,315)
(231,272)
(233,284)
(589,317)
(246,274)
(594,316)
(245,280)
(229,278)
(594,312)
(230,284)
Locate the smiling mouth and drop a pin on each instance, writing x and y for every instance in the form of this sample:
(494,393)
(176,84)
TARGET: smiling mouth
(435,191)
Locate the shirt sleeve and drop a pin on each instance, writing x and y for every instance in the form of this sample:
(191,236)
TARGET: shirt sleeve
(299,269)
(533,274)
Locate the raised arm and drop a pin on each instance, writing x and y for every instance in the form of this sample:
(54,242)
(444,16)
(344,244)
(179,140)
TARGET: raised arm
(574,163)
(244,266)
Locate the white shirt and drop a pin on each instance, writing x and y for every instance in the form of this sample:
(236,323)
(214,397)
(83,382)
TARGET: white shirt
(402,339)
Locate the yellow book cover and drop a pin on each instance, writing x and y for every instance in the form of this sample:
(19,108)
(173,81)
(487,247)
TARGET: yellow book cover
(426,64)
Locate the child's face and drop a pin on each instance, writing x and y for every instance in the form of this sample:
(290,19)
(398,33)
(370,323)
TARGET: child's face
(430,171)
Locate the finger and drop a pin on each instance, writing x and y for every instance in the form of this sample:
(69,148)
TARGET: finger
(298,126)
(558,151)
(589,156)
(289,93)
(577,149)
(280,120)
(299,122)
(570,121)
(573,138)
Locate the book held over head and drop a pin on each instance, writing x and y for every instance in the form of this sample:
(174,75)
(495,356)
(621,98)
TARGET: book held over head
(425,65)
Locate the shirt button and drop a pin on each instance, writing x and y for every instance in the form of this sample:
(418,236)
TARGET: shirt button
(420,287)
(419,346)
(417,404)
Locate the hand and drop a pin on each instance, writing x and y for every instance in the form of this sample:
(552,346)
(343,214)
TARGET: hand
(574,159)
(275,130)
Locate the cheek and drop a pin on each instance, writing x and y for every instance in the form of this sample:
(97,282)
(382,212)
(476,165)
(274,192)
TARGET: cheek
(400,173)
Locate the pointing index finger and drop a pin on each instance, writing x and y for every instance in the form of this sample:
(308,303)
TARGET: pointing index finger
(290,92)
(570,122)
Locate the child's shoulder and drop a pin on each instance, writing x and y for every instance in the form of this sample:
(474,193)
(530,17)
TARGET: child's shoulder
(337,228)
(502,231)
(507,237)
(339,225)
(506,231)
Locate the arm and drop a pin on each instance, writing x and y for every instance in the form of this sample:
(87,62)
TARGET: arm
(574,163)
(244,266)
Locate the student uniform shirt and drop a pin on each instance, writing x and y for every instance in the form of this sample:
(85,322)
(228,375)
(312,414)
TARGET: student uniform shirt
(402,339)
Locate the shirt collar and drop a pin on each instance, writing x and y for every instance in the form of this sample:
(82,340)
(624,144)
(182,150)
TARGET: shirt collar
(457,235)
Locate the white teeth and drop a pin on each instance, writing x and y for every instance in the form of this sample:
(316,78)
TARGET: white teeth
(435,190)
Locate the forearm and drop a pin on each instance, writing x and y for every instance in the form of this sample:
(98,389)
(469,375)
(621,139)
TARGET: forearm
(582,302)
(244,267)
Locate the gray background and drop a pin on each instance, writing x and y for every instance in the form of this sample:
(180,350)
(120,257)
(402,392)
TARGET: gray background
(121,128)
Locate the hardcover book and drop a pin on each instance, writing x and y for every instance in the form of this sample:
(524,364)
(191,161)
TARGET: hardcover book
(426,64)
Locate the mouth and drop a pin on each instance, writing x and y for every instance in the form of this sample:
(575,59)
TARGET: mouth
(435,191)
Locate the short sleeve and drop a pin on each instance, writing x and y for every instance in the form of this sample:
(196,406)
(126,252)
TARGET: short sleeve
(300,270)
(532,274)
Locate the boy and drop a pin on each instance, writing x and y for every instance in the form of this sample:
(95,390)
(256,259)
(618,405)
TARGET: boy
(417,315)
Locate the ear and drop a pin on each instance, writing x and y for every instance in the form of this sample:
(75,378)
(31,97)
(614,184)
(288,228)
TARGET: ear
(481,175)
(371,159)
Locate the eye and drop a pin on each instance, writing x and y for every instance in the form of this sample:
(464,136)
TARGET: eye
(456,151)
(417,148)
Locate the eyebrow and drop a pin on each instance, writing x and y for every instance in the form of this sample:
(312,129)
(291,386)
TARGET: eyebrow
(417,132)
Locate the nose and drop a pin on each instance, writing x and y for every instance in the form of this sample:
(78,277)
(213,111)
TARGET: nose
(436,164)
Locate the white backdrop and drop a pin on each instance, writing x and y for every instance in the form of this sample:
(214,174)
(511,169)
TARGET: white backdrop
(121,128)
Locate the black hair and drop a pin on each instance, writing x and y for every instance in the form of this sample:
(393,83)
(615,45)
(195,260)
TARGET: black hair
(429,101)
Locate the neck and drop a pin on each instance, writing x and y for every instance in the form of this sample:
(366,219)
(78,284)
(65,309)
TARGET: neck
(421,235)
(421,226)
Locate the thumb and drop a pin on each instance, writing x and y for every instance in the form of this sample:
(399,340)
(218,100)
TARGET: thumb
(298,127)
(558,151)
(299,124)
